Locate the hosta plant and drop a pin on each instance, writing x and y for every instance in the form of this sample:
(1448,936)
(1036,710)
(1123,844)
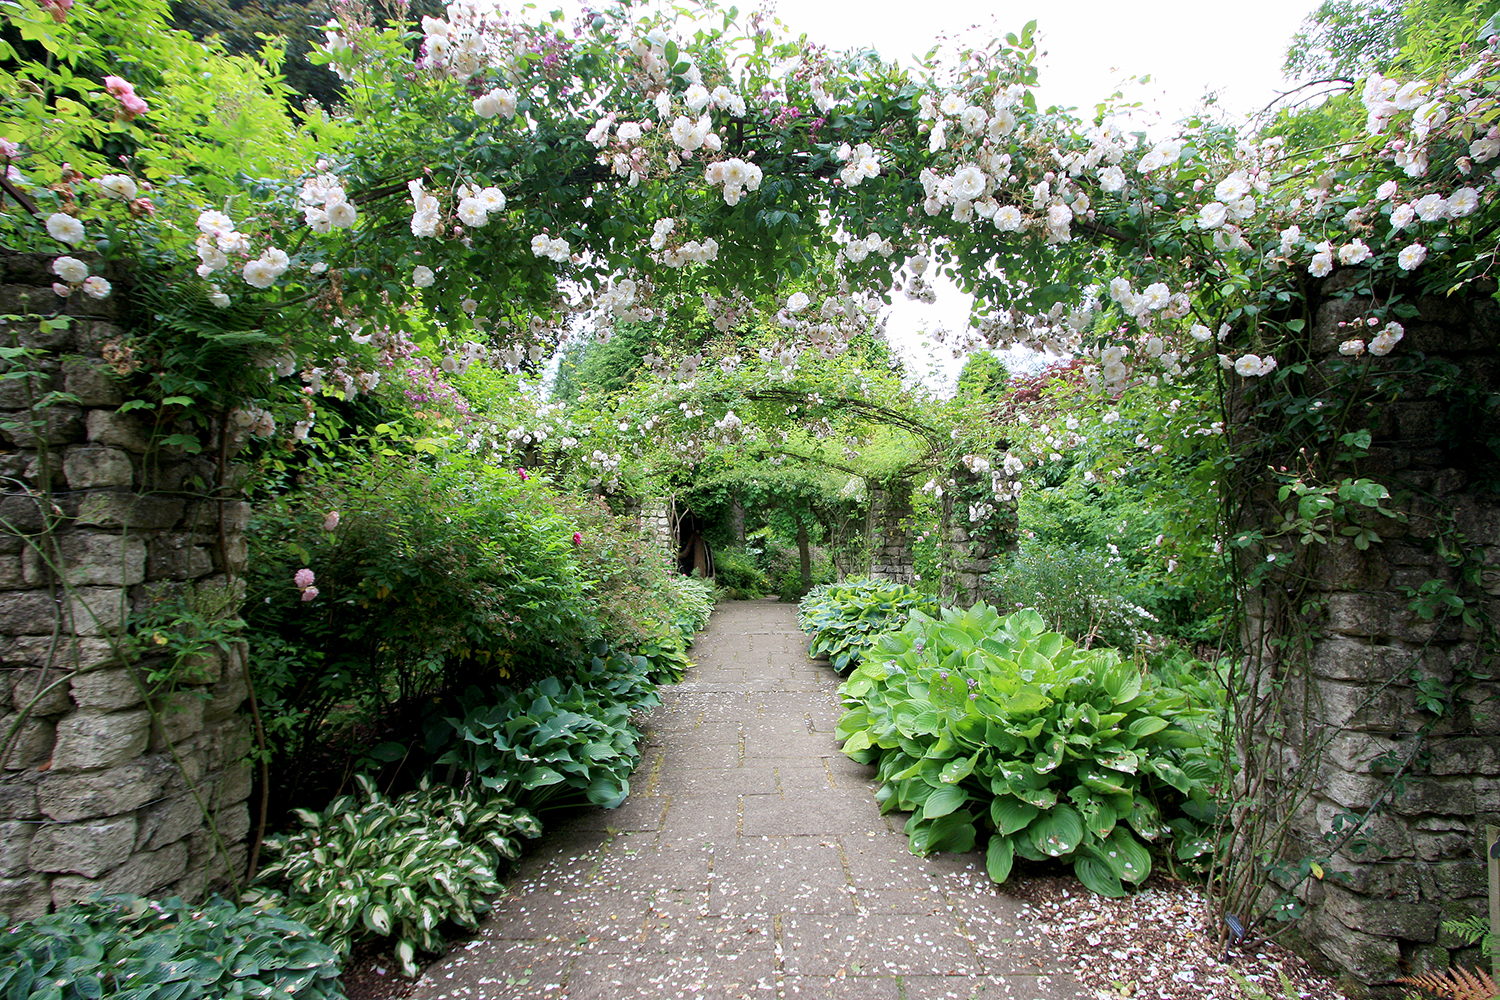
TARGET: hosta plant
(128,946)
(846,618)
(554,744)
(981,723)
(374,867)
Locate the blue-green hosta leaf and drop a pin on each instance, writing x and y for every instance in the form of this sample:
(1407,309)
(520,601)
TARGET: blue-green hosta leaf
(1049,758)
(1171,774)
(1011,815)
(1101,781)
(1028,700)
(1146,725)
(1124,761)
(954,833)
(999,857)
(1126,855)
(1097,876)
(537,777)
(958,769)
(1099,817)
(857,741)
(1146,820)
(1057,832)
(944,800)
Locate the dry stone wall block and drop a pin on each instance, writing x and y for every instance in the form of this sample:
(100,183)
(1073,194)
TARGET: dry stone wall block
(87,849)
(68,797)
(87,741)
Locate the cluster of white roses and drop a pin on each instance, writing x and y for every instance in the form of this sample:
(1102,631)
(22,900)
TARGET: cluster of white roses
(736,175)
(75,274)
(498,101)
(1380,345)
(456,46)
(859,163)
(325,204)
(218,238)
(554,248)
(691,252)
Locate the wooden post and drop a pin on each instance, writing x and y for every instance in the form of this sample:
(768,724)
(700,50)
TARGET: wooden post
(1492,857)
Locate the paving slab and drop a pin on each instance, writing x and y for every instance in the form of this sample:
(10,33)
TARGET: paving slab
(750,863)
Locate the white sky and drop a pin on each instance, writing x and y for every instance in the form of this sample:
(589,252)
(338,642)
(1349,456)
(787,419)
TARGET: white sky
(1091,48)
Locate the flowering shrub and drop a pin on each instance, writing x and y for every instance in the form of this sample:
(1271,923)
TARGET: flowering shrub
(982,723)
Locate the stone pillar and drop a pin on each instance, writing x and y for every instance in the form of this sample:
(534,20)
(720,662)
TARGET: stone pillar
(889,531)
(1374,667)
(97,523)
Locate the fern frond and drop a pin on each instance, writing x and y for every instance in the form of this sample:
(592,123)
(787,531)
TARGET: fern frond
(1456,984)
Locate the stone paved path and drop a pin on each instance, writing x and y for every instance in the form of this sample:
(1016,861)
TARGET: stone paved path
(750,861)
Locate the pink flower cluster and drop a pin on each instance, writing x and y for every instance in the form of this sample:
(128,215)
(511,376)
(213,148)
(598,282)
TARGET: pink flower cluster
(124,92)
(303,580)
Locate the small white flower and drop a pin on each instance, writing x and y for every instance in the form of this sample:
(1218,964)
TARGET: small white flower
(120,186)
(260,273)
(1352,348)
(342,214)
(422,276)
(70,269)
(95,287)
(797,302)
(1463,202)
(65,228)
(1412,257)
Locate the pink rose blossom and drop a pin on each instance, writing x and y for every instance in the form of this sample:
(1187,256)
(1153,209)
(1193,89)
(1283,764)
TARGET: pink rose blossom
(309,594)
(331,521)
(577,538)
(303,579)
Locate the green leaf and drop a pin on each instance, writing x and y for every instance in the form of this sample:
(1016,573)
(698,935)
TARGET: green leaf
(1147,725)
(1011,815)
(1097,876)
(1057,832)
(944,800)
(998,858)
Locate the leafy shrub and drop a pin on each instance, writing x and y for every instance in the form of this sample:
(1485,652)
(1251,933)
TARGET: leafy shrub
(978,721)
(553,744)
(738,576)
(1077,590)
(692,604)
(429,580)
(373,867)
(119,946)
(846,618)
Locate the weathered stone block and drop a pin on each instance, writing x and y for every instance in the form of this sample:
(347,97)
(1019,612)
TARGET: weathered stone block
(40,692)
(106,690)
(110,509)
(15,847)
(18,796)
(1367,957)
(94,466)
(168,822)
(1465,755)
(234,784)
(25,898)
(143,874)
(1460,879)
(1382,917)
(122,430)
(96,610)
(27,613)
(176,558)
(1421,795)
(32,745)
(90,559)
(88,849)
(92,382)
(58,425)
(68,797)
(225,742)
(234,824)
(11,577)
(179,716)
(87,741)
(79,654)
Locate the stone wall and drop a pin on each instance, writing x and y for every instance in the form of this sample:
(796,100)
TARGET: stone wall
(96,522)
(889,533)
(1433,779)
(969,548)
